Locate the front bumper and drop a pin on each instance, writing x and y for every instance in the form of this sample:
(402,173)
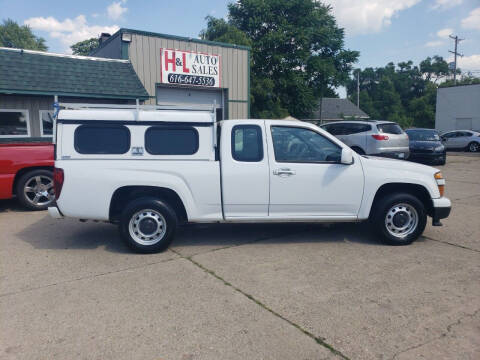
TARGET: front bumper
(427,156)
(441,210)
(54,212)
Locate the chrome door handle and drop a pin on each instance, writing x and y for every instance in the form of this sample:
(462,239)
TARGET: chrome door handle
(287,172)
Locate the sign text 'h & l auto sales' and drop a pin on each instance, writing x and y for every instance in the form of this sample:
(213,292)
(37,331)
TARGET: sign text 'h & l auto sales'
(190,68)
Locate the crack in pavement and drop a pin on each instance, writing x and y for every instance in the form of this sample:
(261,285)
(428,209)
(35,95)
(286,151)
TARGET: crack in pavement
(451,244)
(140,266)
(317,339)
(87,277)
(448,328)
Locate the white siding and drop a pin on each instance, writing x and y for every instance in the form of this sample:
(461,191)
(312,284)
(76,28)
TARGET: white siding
(458,108)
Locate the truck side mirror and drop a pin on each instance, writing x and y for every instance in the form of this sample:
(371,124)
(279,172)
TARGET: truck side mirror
(347,156)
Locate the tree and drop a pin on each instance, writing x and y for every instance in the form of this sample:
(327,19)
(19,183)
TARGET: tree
(434,70)
(13,35)
(467,80)
(220,30)
(404,93)
(297,54)
(84,47)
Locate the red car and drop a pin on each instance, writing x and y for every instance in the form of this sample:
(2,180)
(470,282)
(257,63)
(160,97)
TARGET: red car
(26,171)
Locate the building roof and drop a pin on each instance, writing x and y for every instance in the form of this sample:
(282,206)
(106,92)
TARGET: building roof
(458,87)
(167,36)
(338,109)
(41,73)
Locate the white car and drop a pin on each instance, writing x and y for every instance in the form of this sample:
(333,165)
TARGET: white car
(148,170)
(462,140)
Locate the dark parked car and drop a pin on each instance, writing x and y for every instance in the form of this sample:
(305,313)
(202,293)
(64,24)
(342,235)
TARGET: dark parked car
(426,146)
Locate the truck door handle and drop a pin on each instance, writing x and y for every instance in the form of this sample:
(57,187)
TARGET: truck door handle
(286,172)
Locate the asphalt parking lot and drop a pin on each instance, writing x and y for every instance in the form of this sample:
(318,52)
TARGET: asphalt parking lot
(72,290)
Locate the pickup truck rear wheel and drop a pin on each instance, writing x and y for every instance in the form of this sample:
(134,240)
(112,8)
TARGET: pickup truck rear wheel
(35,189)
(399,219)
(148,225)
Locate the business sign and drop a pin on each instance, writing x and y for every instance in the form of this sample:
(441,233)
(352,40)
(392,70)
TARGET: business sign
(189,68)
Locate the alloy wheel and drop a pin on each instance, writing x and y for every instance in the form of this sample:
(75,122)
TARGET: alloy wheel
(39,191)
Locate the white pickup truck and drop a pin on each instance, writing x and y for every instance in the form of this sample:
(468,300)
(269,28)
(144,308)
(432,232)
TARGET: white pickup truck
(149,170)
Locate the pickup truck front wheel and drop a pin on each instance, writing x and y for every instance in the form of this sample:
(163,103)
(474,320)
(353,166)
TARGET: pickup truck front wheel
(399,219)
(148,225)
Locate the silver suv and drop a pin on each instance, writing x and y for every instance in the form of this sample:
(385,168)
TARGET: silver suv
(373,137)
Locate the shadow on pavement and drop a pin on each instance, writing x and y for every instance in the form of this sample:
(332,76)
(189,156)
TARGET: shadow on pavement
(9,205)
(49,233)
(232,234)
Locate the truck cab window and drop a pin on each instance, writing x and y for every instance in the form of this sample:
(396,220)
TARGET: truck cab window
(247,143)
(295,144)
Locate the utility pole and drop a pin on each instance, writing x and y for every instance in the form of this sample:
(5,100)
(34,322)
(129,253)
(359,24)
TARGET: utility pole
(358,88)
(455,53)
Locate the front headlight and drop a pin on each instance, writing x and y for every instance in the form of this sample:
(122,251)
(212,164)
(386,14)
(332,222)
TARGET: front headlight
(440,183)
(440,148)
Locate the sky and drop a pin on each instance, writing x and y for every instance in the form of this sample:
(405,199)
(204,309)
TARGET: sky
(382,30)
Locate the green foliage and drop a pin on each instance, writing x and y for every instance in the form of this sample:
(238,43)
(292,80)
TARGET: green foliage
(404,93)
(434,70)
(222,31)
(469,80)
(297,55)
(84,47)
(13,35)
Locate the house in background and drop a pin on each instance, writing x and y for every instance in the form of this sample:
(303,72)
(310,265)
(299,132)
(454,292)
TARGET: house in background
(458,108)
(334,109)
(29,80)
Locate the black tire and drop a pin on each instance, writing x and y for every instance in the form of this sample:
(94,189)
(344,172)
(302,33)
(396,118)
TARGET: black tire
(473,146)
(358,150)
(40,182)
(442,160)
(149,213)
(384,208)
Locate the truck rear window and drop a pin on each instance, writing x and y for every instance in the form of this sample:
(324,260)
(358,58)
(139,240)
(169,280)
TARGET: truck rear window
(104,139)
(171,140)
(389,129)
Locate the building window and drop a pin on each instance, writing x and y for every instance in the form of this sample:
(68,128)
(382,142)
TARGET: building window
(171,141)
(108,139)
(46,122)
(247,143)
(14,123)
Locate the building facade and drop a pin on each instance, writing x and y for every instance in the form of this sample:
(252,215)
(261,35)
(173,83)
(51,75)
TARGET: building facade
(30,80)
(458,108)
(185,71)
